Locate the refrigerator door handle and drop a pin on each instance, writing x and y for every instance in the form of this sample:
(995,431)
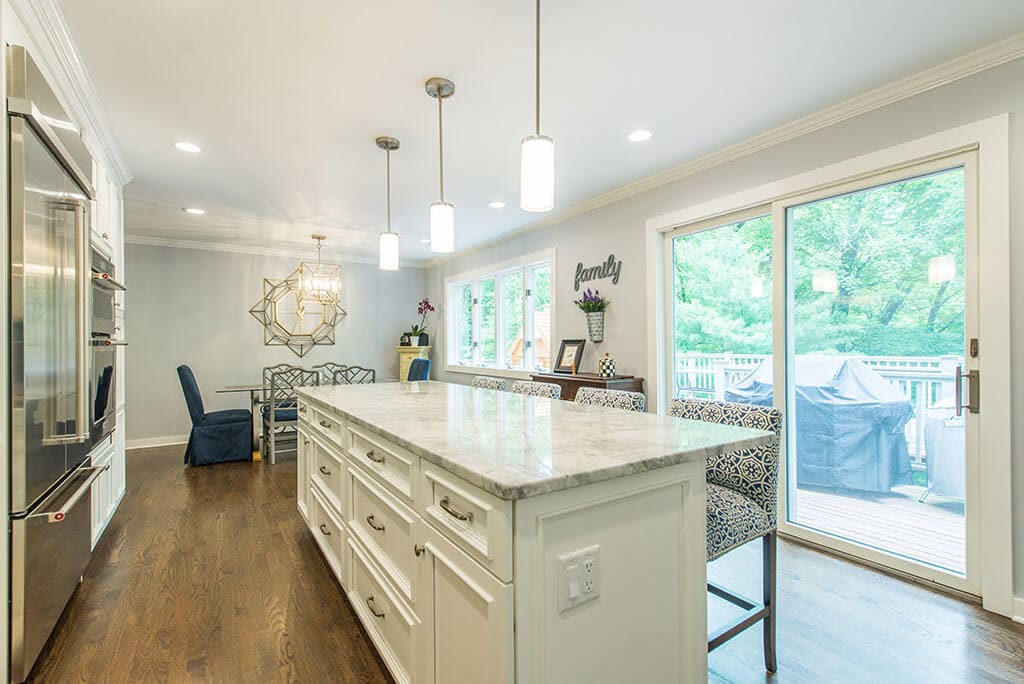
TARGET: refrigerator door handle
(83,284)
(62,512)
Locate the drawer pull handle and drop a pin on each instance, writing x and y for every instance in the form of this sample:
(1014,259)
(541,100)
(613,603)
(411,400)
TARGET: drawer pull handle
(455,513)
(324,470)
(373,457)
(373,523)
(419,549)
(324,423)
(369,603)
(305,441)
(324,530)
(302,409)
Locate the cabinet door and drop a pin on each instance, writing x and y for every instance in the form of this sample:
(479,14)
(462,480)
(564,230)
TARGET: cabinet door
(302,471)
(467,616)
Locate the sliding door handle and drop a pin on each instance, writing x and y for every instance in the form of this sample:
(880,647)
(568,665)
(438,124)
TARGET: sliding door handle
(973,378)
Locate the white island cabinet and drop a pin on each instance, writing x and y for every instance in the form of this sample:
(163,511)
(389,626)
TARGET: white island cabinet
(485,536)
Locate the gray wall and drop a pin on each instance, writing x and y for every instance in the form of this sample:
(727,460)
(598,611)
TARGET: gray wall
(191,306)
(619,227)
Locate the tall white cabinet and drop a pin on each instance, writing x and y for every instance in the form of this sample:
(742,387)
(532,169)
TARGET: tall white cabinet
(108,237)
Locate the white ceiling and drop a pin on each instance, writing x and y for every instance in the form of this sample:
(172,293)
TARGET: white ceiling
(286,98)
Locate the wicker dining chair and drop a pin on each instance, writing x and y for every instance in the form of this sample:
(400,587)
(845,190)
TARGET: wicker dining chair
(536,389)
(280,408)
(620,399)
(741,506)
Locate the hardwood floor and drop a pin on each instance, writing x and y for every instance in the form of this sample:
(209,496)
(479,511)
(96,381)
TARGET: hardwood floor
(208,574)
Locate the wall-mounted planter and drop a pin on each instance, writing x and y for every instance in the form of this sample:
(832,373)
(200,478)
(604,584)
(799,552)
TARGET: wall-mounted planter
(595,325)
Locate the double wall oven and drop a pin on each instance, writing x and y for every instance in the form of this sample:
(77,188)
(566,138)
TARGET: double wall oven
(103,343)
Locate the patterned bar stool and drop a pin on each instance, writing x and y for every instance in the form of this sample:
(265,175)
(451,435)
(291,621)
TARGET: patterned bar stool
(536,389)
(741,506)
(627,401)
(490,383)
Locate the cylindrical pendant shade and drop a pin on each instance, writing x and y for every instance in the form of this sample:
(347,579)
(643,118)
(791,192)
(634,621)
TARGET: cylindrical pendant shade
(389,251)
(442,227)
(537,174)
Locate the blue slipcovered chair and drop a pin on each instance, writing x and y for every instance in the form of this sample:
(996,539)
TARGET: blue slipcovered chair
(419,370)
(218,436)
(741,506)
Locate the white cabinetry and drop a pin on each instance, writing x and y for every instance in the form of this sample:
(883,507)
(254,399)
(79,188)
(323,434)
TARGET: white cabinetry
(454,584)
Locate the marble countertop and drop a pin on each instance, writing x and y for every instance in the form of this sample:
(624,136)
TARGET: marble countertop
(516,446)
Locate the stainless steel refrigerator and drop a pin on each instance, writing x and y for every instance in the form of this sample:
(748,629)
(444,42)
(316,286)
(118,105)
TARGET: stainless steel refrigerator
(50,174)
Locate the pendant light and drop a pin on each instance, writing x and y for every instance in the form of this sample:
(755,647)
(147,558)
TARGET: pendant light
(388,240)
(537,160)
(442,214)
(319,282)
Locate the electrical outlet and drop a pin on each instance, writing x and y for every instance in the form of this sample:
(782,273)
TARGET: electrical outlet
(579,577)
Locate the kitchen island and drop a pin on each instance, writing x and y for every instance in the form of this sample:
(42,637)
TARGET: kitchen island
(485,536)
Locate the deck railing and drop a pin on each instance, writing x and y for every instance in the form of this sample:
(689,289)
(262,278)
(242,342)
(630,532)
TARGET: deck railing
(924,380)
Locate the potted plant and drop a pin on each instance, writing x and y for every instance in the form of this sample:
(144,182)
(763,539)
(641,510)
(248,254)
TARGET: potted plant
(593,305)
(419,332)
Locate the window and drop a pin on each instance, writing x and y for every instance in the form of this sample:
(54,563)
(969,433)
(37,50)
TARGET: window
(501,318)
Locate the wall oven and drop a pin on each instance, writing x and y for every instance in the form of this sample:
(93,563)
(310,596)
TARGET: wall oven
(103,381)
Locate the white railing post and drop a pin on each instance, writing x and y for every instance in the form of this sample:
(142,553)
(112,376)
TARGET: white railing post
(722,362)
(947,371)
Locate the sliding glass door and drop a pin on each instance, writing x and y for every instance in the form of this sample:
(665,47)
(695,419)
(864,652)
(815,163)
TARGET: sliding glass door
(859,300)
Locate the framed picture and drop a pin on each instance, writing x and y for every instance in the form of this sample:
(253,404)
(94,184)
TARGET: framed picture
(570,353)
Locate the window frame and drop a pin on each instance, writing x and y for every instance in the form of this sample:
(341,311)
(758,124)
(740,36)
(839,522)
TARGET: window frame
(525,264)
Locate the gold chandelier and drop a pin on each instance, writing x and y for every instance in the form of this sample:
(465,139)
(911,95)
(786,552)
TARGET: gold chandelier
(318,282)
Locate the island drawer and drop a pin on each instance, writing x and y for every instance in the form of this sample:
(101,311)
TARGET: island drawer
(389,463)
(477,522)
(329,533)
(393,627)
(328,472)
(386,527)
(329,426)
(304,412)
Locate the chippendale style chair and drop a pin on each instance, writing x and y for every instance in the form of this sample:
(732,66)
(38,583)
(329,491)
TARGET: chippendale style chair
(486,382)
(280,405)
(620,399)
(536,389)
(355,375)
(329,372)
(741,506)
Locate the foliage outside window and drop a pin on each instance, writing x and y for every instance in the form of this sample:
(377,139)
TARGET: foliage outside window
(502,319)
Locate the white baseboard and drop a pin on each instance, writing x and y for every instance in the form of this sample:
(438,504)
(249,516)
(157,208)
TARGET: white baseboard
(1018,610)
(155,442)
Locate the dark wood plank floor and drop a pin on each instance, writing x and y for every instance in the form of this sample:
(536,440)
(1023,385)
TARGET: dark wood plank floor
(208,574)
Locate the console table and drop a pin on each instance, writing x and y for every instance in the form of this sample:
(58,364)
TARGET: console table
(571,383)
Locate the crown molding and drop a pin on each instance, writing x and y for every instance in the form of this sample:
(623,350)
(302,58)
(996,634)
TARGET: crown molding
(44,21)
(990,56)
(150,241)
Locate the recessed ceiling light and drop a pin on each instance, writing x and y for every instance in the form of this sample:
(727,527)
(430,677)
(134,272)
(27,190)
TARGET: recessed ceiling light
(639,135)
(496,204)
(425,241)
(187,146)
(194,210)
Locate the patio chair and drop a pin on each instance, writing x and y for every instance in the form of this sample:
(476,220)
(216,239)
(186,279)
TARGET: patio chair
(486,382)
(620,399)
(741,506)
(536,389)
(280,406)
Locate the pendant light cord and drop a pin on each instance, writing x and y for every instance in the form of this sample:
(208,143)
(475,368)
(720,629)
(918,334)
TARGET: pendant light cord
(537,81)
(388,153)
(440,143)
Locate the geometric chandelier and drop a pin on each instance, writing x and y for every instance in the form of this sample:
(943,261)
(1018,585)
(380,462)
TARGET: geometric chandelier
(294,319)
(321,282)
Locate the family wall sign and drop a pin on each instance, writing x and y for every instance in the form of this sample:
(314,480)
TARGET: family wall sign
(609,269)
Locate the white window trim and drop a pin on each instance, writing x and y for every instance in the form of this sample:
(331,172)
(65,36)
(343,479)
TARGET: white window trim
(991,139)
(451,313)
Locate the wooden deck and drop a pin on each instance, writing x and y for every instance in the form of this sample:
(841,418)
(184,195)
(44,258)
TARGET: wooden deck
(932,532)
